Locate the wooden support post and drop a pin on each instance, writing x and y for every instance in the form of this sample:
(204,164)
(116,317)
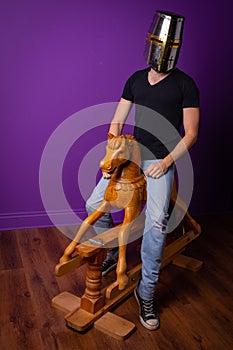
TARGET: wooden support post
(93,300)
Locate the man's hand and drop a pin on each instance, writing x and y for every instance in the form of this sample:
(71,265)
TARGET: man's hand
(106,175)
(157,169)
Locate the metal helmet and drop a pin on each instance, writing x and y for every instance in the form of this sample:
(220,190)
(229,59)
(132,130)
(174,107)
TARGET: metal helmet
(164,41)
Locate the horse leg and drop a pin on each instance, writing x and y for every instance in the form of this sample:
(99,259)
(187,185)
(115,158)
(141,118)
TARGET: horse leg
(131,213)
(103,208)
(175,199)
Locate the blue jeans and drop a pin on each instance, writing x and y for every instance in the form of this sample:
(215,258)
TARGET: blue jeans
(154,235)
(106,221)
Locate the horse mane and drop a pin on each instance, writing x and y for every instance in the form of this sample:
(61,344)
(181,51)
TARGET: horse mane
(115,141)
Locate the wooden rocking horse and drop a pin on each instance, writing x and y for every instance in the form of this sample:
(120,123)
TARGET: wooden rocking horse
(126,190)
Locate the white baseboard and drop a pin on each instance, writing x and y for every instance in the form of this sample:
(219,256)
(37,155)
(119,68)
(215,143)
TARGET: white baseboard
(29,219)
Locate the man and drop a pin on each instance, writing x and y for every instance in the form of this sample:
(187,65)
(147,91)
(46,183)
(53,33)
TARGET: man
(160,92)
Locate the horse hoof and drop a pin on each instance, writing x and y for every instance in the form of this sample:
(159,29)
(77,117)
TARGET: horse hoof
(67,255)
(64,259)
(198,229)
(122,282)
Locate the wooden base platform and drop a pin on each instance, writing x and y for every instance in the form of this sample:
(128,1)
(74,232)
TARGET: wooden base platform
(80,319)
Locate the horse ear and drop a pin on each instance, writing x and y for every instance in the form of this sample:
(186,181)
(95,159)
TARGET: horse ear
(110,136)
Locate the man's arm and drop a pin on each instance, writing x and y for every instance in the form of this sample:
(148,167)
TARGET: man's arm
(118,121)
(120,116)
(191,123)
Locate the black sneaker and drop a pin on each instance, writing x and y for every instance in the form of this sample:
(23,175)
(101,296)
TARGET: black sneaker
(108,265)
(147,314)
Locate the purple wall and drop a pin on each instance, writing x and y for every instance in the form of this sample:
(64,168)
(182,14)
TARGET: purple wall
(59,57)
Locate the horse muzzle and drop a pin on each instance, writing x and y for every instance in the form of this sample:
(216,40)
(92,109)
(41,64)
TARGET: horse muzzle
(107,167)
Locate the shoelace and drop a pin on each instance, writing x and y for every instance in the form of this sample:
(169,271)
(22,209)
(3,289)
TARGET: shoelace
(148,306)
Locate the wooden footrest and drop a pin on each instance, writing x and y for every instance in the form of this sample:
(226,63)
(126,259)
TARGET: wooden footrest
(115,326)
(66,302)
(187,262)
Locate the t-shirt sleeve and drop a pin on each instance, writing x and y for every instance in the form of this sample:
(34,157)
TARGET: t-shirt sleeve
(127,91)
(190,94)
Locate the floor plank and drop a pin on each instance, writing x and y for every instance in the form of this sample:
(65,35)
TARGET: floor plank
(19,326)
(9,251)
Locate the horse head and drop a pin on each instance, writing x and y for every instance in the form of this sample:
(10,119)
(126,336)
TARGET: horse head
(118,152)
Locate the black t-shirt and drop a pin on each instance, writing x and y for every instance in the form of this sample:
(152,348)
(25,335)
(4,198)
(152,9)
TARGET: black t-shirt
(159,109)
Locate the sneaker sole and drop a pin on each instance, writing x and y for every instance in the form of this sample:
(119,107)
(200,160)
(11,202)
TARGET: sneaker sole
(113,267)
(146,325)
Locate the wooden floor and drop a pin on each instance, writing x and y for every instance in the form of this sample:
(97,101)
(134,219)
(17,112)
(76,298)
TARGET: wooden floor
(196,308)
